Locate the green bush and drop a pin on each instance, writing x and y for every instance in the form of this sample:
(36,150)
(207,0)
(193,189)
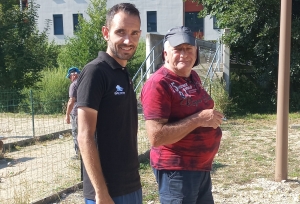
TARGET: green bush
(249,96)
(136,61)
(24,51)
(294,101)
(220,96)
(50,94)
(9,100)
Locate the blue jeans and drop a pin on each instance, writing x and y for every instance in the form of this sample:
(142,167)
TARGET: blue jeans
(75,132)
(184,187)
(131,198)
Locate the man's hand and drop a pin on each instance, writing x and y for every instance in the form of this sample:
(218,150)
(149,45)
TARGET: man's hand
(210,118)
(67,119)
(104,200)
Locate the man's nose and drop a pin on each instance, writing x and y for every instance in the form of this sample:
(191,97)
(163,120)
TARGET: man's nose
(183,53)
(126,39)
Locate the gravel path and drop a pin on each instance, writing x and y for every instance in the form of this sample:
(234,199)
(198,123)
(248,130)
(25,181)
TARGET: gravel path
(260,191)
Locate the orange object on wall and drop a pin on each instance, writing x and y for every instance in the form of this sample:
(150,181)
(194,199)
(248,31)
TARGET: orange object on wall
(198,35)
(192,6)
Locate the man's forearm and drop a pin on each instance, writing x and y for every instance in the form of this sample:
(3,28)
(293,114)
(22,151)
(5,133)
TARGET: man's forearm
(92,164)
(70,106)
(161,132)
(87,119)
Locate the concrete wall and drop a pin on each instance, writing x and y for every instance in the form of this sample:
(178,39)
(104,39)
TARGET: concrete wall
(65,7)
(209,32)
(170,13)
(156,55)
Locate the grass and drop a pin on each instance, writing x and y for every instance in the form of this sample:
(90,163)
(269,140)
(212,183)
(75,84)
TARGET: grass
(249,145)
(149,185)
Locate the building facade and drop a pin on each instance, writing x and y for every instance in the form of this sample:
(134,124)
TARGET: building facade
(156,17)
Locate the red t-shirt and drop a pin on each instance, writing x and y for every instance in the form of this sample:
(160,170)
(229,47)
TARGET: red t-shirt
(168,96)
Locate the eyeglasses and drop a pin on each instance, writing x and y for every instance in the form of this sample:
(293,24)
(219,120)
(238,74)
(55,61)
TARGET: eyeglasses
(72,74)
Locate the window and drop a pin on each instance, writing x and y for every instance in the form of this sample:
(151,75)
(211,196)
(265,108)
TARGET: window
(151,21)
(24,4)
(215,22)
(193,22)
(76,22)
(58,24)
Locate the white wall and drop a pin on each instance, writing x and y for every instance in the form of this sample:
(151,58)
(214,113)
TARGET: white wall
(65,7)
(169,14)
(209,32)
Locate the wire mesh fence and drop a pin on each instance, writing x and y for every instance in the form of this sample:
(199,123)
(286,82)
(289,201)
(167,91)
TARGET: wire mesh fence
(37,160)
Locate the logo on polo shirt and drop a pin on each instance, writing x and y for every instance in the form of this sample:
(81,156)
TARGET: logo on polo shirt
(119,90)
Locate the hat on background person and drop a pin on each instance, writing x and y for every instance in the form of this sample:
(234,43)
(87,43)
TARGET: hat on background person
(72,70)
(180,35)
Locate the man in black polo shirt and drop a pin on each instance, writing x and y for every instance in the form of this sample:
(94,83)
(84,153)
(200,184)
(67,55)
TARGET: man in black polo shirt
(107,115)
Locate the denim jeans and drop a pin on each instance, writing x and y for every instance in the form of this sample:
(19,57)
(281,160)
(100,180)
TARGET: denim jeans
(184,187)
(75,132)
(131,198)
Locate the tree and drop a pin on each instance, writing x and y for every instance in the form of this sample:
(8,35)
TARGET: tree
(254,35)
(88,41)
(24,52)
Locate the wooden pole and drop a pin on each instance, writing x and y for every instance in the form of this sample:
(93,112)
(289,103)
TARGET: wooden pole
(281,167)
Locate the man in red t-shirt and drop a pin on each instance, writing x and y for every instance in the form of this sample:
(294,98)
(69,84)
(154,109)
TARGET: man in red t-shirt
(182,126)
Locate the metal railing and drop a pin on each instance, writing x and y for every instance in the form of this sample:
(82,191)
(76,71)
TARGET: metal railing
(140,70)
(211,70)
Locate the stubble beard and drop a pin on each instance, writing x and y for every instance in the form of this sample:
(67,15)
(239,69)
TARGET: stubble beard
(119,55)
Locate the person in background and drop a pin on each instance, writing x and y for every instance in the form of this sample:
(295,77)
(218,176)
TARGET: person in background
(71,113)
(181,123)
(1,147)
(107,114)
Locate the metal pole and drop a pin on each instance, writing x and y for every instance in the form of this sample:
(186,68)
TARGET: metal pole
(153,57)
(281,166)
(32,113)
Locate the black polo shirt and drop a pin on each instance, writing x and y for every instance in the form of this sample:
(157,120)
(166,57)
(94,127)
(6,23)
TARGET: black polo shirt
(104,85)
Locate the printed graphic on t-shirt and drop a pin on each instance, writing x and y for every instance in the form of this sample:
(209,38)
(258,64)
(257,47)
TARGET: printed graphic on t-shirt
(119,90)
(187,91)
(182,90)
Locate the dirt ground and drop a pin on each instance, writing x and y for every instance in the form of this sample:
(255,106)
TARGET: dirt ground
(45,165)
(33,172)
(244,168)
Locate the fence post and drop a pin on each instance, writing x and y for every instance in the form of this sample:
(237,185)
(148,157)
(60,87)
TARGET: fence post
(32,113)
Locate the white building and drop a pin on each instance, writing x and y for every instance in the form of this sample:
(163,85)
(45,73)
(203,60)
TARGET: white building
(157,16)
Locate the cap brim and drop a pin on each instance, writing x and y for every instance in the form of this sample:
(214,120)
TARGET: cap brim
(181,38)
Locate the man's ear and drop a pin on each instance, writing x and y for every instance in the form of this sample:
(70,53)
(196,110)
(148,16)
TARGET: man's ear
(105,33)
(166,56)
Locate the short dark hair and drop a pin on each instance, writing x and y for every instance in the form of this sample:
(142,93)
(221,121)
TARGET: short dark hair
(127,8)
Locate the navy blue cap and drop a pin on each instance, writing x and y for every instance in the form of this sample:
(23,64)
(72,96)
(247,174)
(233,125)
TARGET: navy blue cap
(179,35)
